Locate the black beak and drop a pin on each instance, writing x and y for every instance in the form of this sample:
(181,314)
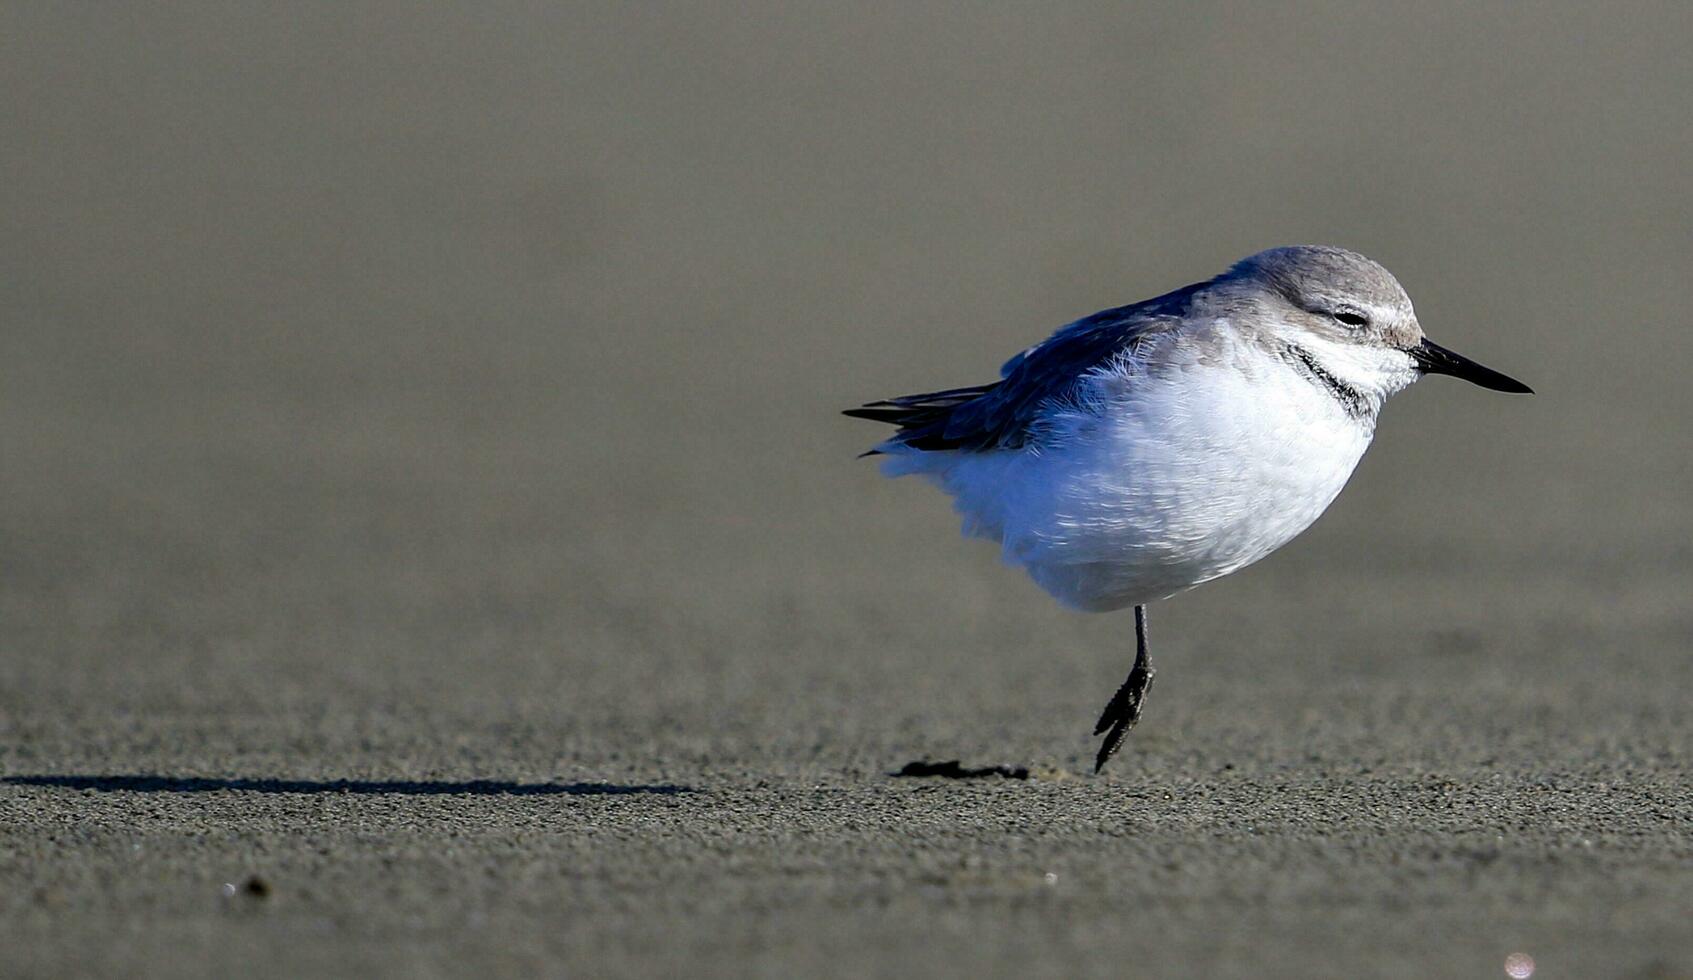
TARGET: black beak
(1432,358)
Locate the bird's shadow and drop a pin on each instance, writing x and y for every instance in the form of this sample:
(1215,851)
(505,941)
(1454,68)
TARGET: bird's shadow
(953,769)
(152,783)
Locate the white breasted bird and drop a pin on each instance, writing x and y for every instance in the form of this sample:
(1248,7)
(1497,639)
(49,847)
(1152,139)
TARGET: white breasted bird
(1143,450)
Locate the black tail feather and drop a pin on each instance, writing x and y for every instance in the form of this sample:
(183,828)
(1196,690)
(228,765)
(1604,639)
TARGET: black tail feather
(876,413)
(921,418)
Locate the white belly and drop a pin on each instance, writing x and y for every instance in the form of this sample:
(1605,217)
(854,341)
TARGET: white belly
(1161,483)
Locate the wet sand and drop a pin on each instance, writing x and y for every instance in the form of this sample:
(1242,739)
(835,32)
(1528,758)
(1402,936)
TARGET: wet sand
(427,545)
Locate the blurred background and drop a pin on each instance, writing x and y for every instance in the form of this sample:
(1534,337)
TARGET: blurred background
(356,318)
(424,389)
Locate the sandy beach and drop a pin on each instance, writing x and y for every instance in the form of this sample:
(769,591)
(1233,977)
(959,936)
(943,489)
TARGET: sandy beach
(428,544)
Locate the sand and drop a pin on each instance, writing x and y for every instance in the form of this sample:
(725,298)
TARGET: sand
(428,547)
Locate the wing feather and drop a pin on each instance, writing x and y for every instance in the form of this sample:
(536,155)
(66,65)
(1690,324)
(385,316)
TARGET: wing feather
(1001,414)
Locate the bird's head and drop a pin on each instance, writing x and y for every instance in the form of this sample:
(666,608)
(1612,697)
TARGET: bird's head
(1352,316)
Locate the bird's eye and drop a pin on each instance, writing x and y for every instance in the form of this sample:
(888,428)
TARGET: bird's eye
(1349,318)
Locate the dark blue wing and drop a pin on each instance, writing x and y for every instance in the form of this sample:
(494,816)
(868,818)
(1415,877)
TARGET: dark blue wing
(1001,414)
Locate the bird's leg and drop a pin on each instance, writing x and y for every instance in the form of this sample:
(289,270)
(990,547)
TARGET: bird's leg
(1124,710)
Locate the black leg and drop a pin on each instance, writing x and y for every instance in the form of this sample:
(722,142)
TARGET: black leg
(1124,710)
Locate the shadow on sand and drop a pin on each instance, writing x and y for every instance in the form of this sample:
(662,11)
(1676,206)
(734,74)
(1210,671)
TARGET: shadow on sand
(403,787)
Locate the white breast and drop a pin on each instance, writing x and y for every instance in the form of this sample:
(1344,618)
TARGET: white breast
(1160,480)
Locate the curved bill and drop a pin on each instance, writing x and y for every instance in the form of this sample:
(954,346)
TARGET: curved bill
(1432,358)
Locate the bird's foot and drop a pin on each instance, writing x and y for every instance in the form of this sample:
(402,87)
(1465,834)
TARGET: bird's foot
(1122,713)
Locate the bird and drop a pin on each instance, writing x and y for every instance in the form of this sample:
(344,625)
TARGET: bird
(1147,449)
